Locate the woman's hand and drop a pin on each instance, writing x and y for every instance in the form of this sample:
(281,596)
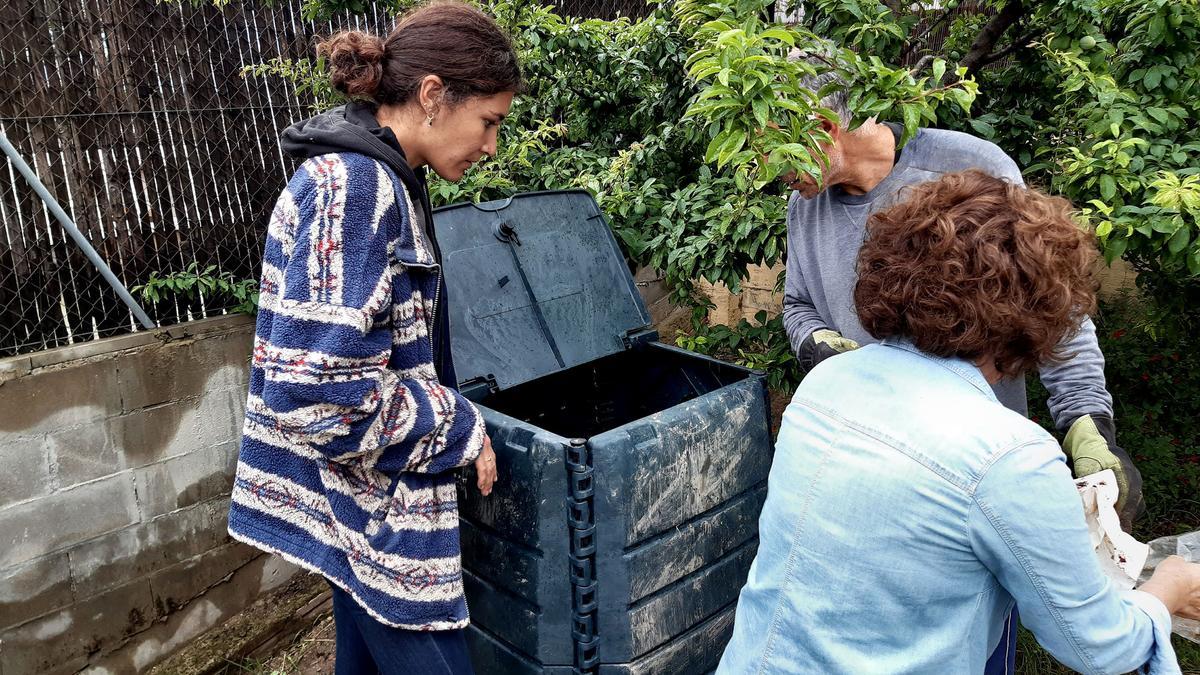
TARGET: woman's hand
(485,467)
(1177,583)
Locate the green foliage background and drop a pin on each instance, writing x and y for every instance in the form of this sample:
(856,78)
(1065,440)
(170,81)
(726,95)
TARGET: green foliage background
(681,123)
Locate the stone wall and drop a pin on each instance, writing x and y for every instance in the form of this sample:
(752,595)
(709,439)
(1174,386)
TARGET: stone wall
(118,459)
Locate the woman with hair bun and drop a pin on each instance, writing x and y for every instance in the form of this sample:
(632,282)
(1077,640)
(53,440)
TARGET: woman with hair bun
(354,427)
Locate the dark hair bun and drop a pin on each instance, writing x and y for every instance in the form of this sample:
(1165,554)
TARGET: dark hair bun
(355,62)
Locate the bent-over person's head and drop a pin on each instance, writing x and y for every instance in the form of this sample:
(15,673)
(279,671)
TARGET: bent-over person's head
(972,266)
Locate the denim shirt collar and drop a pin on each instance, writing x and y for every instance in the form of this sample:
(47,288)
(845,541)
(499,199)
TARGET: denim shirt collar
(961,367)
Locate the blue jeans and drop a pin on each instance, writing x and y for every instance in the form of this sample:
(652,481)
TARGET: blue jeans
(367,647)
(1003,661)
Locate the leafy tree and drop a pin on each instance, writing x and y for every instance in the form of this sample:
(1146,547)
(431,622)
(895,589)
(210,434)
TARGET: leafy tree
(681,122)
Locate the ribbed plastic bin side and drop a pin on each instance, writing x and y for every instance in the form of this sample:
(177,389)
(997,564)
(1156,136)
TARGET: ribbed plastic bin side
(677,498)
(515,549)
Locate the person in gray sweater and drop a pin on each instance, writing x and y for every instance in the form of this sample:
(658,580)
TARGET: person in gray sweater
(867,171)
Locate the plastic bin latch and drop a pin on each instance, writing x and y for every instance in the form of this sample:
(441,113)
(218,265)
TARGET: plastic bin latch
(581,519)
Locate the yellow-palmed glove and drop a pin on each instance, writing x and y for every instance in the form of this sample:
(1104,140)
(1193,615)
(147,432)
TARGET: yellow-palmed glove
(1091,446)
(822,344)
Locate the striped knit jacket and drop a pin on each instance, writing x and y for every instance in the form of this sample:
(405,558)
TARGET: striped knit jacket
(349,439)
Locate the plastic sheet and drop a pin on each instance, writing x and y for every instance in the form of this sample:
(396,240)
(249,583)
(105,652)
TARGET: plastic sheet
(1188,547)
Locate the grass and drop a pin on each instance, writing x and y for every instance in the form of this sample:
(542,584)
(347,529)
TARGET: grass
(1033,660)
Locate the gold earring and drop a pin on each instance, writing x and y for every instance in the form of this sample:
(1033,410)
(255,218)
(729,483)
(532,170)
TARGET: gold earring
(429,120)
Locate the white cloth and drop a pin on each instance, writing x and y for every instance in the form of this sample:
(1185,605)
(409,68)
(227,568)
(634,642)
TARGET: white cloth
(1121,556)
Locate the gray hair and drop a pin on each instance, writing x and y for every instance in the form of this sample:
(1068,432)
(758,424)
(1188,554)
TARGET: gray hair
(836,100)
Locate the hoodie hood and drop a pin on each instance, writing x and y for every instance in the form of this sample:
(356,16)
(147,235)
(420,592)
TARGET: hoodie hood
(352,128)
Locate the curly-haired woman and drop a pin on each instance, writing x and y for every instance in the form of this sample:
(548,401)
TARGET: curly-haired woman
(908,510)
(353,425)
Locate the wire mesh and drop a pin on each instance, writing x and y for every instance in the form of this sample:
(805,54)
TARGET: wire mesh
(603,9)
(136,116)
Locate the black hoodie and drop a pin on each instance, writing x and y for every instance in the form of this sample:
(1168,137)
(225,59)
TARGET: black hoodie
(354,128)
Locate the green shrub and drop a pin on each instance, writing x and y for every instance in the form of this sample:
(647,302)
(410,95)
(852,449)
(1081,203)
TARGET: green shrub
(1154,377)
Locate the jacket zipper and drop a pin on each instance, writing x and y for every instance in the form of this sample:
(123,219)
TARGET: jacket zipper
(437,294)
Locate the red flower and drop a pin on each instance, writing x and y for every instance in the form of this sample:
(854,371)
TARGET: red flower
(1118,334)
(1156,358)
(1145,377)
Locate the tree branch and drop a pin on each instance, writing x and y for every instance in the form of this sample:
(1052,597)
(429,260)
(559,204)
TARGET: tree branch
(1012,11)
(919,39)
(920,65)
(1017,44)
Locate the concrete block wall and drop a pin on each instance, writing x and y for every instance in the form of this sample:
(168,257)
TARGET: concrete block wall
(118,460)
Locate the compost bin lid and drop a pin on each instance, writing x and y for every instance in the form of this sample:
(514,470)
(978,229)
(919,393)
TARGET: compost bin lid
(536,284)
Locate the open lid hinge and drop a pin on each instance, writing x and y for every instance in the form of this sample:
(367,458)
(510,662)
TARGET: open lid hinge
(639,336)
(479,387)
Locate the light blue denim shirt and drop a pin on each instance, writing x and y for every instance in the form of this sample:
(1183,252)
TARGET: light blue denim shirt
(906,509)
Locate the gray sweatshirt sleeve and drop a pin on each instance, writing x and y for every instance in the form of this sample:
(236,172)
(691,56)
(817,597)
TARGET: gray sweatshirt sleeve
(1077,385)
(800,316)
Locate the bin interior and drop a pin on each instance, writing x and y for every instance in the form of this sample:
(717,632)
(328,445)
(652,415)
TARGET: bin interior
(608,392)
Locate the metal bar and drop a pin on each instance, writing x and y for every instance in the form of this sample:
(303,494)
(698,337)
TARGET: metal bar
(73,230)
(537,309)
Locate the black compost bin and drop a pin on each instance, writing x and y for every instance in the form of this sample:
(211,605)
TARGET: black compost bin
(631,472)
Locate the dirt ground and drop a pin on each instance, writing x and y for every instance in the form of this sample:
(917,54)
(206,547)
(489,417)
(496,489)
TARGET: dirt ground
(310,654)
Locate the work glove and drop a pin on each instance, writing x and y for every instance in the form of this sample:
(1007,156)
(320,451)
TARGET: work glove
(1091,446)
(822,344)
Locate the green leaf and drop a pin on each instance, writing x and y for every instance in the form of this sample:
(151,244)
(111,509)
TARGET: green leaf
(779,34)
(962,98)
(1179,240)
(1193,262)
(1159,114)
(761,108)
(714,146)
(939,69)
(1114,249)
(983,128)
(1164,225)
(912,119)
(1108,187)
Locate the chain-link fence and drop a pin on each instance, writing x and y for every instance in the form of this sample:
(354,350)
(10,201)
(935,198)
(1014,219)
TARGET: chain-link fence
(137,118)
(135,115)
(603,9)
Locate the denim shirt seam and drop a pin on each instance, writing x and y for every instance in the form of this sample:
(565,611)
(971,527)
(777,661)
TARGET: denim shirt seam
(890,442)
(996,457)
(975,378)
(1018,553)
(793,553)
